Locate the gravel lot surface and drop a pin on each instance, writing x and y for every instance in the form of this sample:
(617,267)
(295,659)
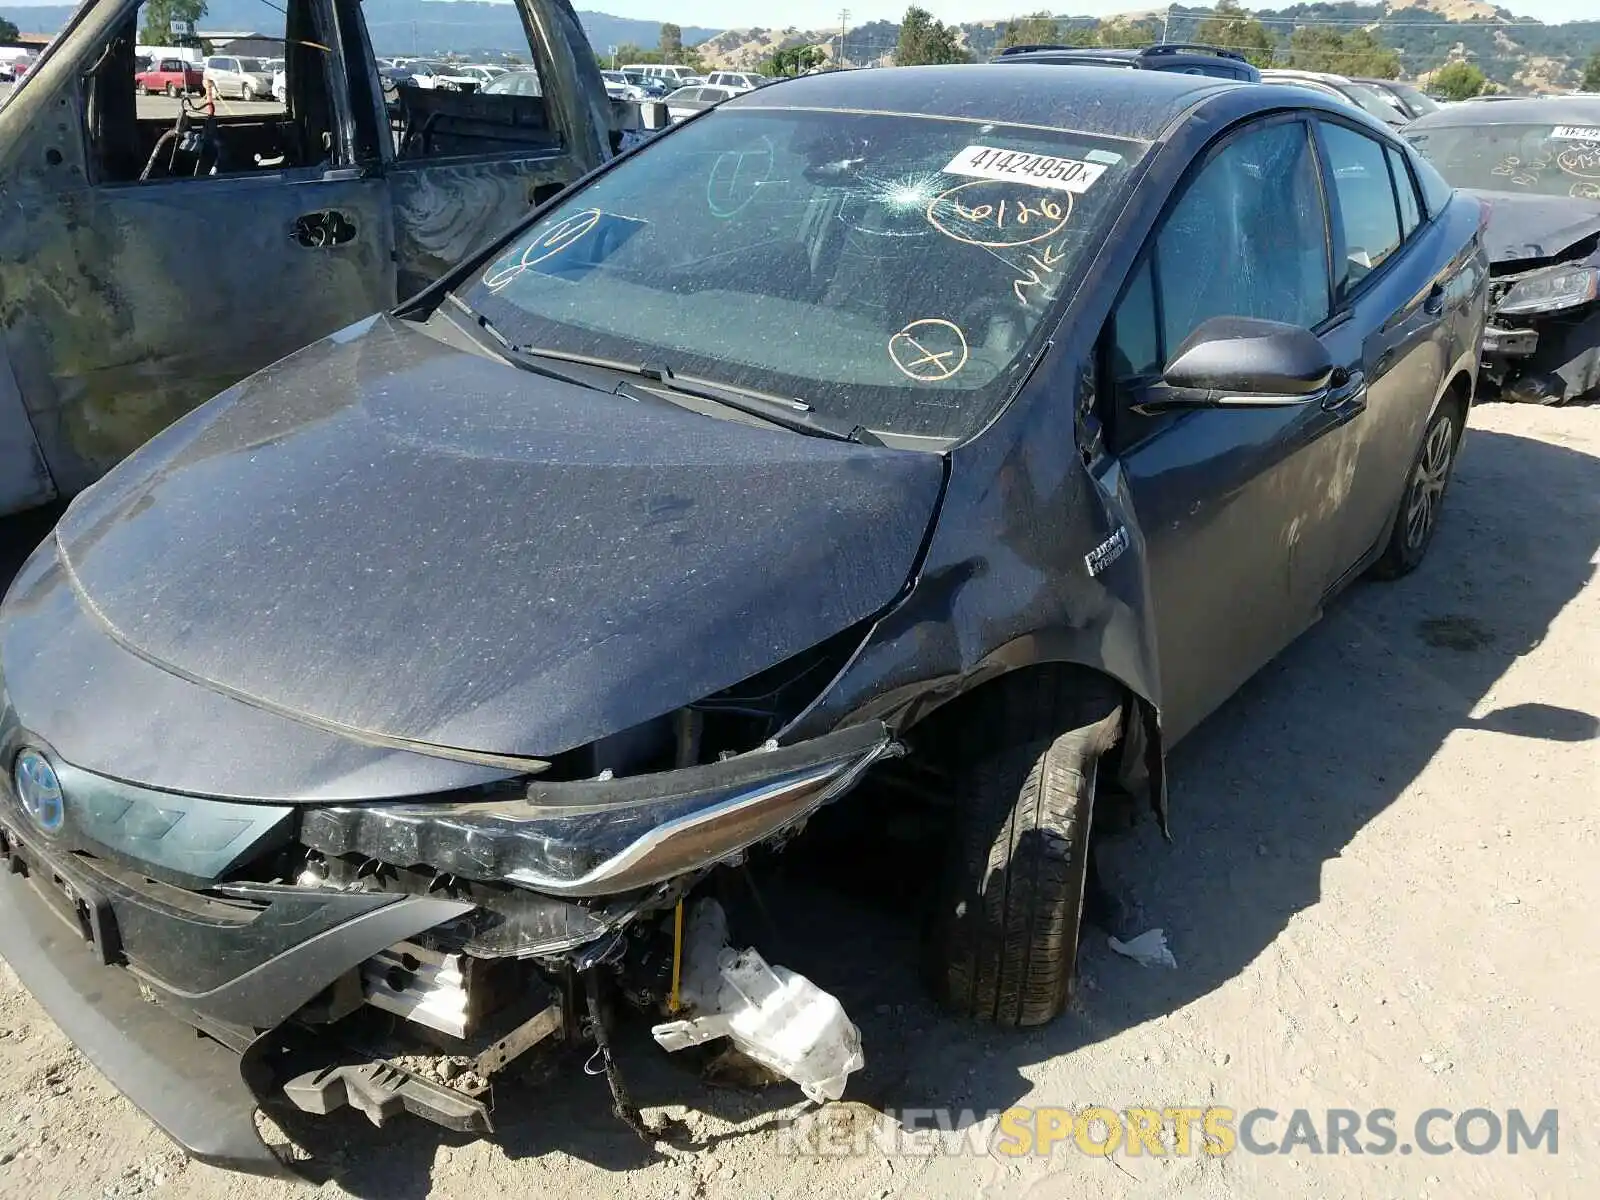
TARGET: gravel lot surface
(1380,895)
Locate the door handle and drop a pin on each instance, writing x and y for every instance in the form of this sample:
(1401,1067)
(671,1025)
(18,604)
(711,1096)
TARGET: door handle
(1434,304)
(319,230)
(1347,391)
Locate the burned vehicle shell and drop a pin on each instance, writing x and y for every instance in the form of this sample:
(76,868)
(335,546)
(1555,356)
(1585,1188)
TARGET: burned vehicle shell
(155,251)
(873,423)
(1536,165)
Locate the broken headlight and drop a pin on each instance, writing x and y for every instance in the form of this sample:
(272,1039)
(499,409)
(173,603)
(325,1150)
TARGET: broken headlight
(1550,291)
(603,836)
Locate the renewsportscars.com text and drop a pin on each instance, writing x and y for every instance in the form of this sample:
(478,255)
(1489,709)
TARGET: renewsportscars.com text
(1178,1130)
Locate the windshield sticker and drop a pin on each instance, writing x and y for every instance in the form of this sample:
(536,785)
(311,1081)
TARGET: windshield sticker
(1109,157)
(1017,166)
(1575,133)
(929,350)
(993,213)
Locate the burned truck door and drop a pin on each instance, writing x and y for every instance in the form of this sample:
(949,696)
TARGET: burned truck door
(149,260)
(465,166)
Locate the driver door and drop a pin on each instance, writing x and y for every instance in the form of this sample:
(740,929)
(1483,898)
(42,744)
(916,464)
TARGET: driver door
(1241,508)
(148,269)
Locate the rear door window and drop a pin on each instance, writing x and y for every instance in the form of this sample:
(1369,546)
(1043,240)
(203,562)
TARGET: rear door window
(1368,213)
(1406,191)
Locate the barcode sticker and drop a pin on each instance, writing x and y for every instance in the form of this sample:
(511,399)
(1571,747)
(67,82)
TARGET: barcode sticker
(1017,166)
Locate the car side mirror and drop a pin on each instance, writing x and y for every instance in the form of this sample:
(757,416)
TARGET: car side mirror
(1243,362)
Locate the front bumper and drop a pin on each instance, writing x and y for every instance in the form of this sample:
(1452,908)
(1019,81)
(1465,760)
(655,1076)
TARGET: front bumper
(67,920)
(187,1084)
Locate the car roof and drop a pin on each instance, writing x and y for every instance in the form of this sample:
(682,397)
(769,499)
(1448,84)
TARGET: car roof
(1515,110)
(1127,104)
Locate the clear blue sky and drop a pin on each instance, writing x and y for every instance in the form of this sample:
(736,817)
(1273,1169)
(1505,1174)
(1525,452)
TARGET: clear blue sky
(824,14)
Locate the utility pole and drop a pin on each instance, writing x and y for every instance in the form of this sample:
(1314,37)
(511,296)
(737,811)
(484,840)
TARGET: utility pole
(844,19)
(1165,18)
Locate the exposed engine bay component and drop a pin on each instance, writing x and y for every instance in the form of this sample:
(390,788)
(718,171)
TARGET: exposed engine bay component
(424,986)
(382,1090)
(779,1018)
(547,1022)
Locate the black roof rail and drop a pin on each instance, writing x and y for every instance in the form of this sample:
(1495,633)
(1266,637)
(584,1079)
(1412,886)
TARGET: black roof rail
(1041,46)
(1191,48)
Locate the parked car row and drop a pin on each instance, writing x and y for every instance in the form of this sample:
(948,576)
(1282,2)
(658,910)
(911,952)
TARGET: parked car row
(429,74)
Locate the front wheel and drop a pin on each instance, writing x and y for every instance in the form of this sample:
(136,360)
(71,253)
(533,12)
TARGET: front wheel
(172,91)
(1418,517)
(1004,936)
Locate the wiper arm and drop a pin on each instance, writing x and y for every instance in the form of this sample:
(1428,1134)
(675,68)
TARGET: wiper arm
(795,415)
(515,355)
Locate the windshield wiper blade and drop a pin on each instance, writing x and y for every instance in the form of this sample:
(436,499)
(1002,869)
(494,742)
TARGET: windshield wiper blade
(794,415)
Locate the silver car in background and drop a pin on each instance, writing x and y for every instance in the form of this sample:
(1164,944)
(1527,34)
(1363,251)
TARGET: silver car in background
(238,78)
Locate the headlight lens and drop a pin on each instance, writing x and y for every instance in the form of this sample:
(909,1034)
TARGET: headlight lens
(602,837)
(1551,291)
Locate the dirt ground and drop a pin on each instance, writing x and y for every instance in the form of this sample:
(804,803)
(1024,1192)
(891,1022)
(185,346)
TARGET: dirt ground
(1380,895)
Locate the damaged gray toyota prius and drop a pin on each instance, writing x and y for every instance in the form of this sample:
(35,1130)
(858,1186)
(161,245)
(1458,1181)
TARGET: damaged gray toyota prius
(984,425)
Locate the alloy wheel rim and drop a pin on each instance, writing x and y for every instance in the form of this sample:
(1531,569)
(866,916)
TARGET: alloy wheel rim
(1428,482)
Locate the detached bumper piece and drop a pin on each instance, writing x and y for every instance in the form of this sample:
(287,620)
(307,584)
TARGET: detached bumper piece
(779,1018)
(381,1090)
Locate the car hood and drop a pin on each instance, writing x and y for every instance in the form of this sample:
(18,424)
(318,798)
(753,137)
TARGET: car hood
(387,535)
(1536,227)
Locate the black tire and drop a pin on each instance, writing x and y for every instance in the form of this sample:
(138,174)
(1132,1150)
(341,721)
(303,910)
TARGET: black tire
(1003,944)
(172,91)
(1423,498)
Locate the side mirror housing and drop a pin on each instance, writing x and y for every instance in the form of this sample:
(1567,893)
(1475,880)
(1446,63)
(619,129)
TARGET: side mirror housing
(1243,362)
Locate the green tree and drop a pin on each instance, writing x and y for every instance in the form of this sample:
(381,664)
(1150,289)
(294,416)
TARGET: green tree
(1356,52)
(8,31)
(1124,33)
(1230,27)
(926,40)
(792,60)
(671,42)
(158,18)
(1591,74)
(1457,81)
(629,53)
(1036,29)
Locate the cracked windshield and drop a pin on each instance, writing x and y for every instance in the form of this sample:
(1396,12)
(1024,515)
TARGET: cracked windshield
(890,270)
